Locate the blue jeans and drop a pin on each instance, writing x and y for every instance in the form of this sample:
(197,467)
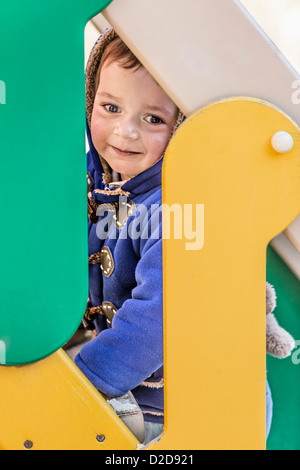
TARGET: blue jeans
(269,409)
(152,431)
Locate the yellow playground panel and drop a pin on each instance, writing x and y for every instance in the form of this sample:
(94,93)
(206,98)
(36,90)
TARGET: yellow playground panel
(214,280)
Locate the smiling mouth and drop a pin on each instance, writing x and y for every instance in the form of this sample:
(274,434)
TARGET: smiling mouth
(125,153)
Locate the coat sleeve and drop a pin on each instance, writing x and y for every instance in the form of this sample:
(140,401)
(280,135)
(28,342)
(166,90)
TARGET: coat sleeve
(123,356)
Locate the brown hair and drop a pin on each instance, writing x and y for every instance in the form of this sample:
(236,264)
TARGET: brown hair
(117,51)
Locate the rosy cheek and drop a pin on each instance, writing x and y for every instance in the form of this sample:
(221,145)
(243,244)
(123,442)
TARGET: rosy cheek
(158,146)
(99,130)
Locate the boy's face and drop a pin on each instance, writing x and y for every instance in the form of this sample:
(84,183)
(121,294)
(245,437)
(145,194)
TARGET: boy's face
(132,119)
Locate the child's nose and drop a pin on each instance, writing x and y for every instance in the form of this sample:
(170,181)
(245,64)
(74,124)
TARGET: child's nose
(127,129)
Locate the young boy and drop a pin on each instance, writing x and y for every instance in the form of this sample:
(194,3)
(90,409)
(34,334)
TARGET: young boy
(130,121)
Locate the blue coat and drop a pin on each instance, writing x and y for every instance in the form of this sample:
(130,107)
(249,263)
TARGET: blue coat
(126,281)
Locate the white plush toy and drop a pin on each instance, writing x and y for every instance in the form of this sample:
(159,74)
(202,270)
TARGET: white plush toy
(280,343)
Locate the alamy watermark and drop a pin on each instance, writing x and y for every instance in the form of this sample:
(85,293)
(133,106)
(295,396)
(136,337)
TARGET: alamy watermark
(181,222)
(296,93)
(2,92)
(2,353)
(296,354)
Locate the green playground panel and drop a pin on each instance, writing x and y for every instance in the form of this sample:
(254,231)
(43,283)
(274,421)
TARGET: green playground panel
(43,236)
(284,375)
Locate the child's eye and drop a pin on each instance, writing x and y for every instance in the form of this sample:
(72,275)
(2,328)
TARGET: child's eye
(154,120)
(111,108)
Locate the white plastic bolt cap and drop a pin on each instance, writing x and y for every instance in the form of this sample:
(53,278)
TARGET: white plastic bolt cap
(282,142)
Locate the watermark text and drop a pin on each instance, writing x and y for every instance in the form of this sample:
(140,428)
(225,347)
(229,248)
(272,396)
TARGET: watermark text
(296,93)
(180,222)
(296,354)
(2,92)
(2,353)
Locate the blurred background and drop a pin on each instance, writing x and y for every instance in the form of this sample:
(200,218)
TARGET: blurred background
(280,19)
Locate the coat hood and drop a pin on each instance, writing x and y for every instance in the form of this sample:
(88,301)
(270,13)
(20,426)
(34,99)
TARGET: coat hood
(100,164)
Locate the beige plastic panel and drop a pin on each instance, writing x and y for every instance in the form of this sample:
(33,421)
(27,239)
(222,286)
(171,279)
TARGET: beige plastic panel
(203,50)
(287,251)
(100,22)
(287,246)
(293,234)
